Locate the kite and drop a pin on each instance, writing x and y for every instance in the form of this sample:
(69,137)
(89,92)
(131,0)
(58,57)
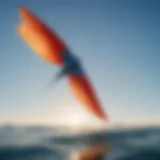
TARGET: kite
(50,47)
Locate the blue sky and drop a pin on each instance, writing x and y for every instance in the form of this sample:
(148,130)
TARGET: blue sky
(118,42)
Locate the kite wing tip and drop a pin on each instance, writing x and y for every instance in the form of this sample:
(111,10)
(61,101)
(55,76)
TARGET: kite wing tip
(106,118)
(20,7)
(22,10)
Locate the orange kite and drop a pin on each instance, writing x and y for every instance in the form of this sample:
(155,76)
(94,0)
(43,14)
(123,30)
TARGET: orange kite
(48,45)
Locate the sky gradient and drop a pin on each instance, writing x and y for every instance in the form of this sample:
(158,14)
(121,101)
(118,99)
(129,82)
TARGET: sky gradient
(119,44)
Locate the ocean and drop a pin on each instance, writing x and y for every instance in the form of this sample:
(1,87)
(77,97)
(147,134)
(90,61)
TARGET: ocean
(44,143)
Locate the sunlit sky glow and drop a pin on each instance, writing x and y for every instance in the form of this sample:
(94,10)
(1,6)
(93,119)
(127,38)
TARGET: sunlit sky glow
(118,42)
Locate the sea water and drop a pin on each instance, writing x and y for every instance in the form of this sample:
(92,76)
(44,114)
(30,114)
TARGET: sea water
(44,143)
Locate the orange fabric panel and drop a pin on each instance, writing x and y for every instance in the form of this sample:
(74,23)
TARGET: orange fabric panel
(44,41)
(84,92)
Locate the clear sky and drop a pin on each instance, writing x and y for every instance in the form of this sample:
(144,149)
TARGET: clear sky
(118,42)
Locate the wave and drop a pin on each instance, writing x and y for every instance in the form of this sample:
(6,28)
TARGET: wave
(41,143)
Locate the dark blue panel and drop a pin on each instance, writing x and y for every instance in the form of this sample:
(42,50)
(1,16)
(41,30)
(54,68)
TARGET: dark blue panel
(72,63)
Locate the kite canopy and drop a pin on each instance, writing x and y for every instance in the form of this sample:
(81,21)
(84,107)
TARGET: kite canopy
(84,92)
(44,41)
(48,45)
